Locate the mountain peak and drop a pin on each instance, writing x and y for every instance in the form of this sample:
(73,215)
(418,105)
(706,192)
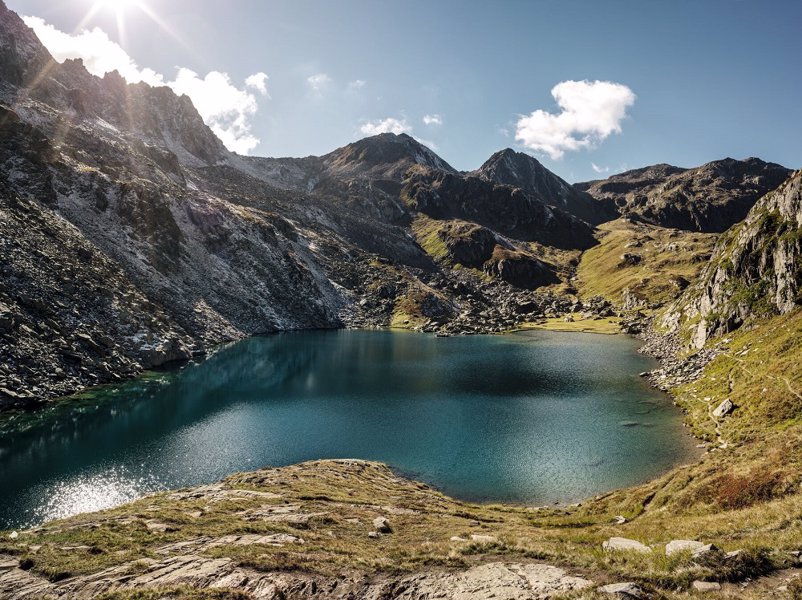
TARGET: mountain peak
(521,170)
(383,156)
(156,114)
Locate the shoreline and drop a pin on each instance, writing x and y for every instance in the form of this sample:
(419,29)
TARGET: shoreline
(692,456)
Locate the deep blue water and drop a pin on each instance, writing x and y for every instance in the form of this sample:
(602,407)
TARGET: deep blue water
(533,417)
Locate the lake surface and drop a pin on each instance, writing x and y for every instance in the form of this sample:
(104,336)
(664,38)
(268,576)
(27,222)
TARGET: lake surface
(534,417)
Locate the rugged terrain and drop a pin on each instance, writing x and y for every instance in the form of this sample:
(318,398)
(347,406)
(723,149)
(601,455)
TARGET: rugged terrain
(131,237)
(710,198)
(188,245)
(174,244)
(754,270)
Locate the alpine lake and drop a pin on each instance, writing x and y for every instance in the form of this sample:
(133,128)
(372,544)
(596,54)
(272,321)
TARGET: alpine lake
(532,417)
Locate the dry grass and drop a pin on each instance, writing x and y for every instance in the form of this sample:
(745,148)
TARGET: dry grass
(604,325)
(667,256)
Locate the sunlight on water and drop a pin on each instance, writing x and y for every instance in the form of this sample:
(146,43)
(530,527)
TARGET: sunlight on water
(89,493)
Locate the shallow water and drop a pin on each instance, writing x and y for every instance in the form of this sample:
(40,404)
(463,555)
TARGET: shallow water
(533,417)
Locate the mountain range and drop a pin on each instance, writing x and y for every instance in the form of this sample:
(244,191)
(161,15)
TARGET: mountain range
(134,237)
(130,238)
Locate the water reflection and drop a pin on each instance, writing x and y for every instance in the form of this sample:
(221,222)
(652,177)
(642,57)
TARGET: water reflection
(530,417)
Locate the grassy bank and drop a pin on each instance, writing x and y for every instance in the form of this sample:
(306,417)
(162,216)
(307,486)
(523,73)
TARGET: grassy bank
(652,263)
(742,495)
(577,324)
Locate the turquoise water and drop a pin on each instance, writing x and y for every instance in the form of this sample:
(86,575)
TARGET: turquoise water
(534,417)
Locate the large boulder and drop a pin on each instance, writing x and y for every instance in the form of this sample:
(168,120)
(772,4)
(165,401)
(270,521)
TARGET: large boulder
(620,544)
(677,546)
(520,269)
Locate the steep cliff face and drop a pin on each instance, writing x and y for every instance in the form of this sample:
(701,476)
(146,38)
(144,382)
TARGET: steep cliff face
(755,270)
(22,56)
(520,170)
(710,198)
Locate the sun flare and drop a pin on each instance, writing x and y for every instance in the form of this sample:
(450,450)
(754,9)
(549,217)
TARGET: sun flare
(117,5)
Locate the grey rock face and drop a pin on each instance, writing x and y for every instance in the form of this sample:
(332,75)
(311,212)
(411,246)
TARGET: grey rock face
(709,198)
(754,269)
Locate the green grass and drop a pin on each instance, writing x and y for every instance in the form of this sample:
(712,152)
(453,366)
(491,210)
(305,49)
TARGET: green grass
(666,255)
(742,497)
(607,325)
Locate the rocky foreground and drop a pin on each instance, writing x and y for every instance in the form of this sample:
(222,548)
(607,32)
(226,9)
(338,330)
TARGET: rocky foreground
(355,529)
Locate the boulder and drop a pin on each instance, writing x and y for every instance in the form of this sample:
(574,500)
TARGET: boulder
(616,544)
(382,525)
(705,551)
(627,590)
(677,546)
(706,586)
(723,409)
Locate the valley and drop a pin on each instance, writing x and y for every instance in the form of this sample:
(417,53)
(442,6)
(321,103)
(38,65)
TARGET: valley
(136,248)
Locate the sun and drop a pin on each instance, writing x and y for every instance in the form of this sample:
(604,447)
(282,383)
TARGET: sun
(117,5)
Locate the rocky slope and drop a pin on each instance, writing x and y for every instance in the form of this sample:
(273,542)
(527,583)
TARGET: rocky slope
(710,198)
(522,171)
(754,270)
(214,246)
(354,529)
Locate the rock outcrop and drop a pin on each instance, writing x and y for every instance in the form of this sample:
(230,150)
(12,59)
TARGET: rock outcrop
(508,210)
(754,270)
(710,198)
(522,171)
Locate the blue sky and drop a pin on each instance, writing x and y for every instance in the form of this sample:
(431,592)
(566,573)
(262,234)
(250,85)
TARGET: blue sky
(708,78)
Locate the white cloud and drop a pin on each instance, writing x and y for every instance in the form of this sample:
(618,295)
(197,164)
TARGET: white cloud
(599,169)
(99,53)
(591,111)
(432,120)
(318,82)
(224,107)
(356,84)
(388,125)
(258,81)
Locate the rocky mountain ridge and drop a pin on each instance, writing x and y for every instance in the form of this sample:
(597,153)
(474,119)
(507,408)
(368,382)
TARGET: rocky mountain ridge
(219,246)
(710,198)
(754,271)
